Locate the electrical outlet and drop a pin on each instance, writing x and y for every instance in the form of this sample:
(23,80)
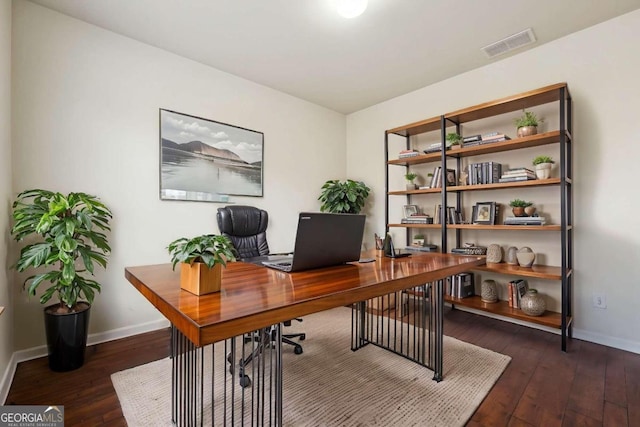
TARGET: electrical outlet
(599,300)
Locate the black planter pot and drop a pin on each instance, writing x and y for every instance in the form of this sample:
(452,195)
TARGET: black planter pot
(66,337)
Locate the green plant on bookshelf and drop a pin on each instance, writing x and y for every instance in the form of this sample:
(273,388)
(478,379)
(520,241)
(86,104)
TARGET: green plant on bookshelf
(410,176)
(454,140)
(543,166)
(542,159)
(517,203)
(527,124)
(518,206)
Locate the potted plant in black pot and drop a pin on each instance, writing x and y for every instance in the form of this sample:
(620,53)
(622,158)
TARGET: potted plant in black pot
(66,241)
(343,196)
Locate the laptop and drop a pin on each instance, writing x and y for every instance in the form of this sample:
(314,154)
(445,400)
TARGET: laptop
(323,240)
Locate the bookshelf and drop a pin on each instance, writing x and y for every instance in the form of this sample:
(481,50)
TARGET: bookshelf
(554,98)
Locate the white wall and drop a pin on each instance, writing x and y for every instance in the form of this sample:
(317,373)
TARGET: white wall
(86,119)
(6,324)
(601,66)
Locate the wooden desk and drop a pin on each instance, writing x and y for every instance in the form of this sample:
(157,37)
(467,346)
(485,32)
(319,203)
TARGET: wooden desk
(254,297)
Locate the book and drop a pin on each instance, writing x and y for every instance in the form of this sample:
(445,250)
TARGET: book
(471,138)
(516,178)
(518,170)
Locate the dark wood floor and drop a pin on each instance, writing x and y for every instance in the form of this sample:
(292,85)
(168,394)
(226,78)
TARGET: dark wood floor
(590,385)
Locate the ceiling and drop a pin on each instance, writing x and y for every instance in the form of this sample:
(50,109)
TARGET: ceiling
(305,49)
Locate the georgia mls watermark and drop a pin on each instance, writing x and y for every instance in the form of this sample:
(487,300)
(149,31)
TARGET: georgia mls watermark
(31,416)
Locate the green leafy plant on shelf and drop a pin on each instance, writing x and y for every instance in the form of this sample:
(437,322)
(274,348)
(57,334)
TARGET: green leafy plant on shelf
(528,119)
(542,159)
(209,249)
(517,203)
(454,139)
(69,240)
(343,196)
(410,176)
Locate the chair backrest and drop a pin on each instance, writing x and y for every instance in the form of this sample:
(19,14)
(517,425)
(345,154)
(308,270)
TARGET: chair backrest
(246,227)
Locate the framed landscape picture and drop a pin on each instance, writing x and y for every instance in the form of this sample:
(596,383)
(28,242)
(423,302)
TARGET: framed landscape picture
(204,160)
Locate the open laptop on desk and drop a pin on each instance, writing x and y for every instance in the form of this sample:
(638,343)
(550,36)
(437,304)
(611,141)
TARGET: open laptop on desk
(322,240)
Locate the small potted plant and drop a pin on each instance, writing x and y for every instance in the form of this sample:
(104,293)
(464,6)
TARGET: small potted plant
(518,206)
(454,141)
(202,259)
(343,196)
(527,124)
(543,166)
(418,240)
(410,177)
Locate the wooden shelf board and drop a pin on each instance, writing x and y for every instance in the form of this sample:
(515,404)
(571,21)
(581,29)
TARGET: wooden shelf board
(423,191)
(511,144)
(416,160)
(416,128)
(508,104)
(536,271)
(486,227)
(476,150)
(435,226)
(531,183)
(504,227)
(501,308)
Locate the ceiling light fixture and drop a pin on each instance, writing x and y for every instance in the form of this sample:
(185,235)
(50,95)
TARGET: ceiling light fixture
(351,8)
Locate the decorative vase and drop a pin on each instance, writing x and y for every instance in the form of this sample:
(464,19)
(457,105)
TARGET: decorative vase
(489,291)
(511,257)
(532,303)
(525,256)
(530,210)
(199,279)
(543,170)
(527,131)
(494,253)
(518,211)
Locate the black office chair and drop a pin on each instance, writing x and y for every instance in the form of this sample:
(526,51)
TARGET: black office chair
(246,228)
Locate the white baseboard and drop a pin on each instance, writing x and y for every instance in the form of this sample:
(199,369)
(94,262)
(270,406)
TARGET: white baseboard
(92,339)
(594,337)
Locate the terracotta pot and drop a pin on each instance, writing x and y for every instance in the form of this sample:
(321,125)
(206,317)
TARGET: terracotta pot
(518,211)
(530,210)
(199,279)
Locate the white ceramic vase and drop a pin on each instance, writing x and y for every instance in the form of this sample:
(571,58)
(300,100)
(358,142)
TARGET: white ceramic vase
(543,170)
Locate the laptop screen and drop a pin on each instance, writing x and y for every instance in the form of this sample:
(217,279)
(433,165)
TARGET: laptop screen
(325,239)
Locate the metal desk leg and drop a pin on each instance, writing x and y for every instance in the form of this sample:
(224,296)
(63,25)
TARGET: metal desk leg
(437,313)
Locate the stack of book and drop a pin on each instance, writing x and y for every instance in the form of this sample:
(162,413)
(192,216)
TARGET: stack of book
(436,146)
(427,247)
(417,219)
(518,174)
(524,220)
(468,141)
(408,153)
(493,137)
(517,289)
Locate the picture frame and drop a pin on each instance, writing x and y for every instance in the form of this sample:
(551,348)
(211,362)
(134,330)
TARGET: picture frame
(484,213)
(207,161)
(410,210)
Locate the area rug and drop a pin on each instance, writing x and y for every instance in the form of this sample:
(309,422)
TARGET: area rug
(329,385)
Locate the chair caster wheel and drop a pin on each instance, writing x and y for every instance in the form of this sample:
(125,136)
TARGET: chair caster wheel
(297,349)
(245,381)
(302,337)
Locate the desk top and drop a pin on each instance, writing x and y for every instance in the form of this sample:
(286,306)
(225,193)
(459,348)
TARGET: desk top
(253,296)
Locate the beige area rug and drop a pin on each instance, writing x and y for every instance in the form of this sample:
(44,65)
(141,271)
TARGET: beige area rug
(329,385)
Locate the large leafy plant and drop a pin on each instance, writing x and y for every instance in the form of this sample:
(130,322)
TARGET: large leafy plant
(209,249)
(343,196)
(69,234)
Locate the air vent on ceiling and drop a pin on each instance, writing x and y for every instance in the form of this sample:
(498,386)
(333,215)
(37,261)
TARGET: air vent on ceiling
(512,42)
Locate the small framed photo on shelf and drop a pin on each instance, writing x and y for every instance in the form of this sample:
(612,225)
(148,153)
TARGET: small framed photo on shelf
(484,213)
(410,210)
